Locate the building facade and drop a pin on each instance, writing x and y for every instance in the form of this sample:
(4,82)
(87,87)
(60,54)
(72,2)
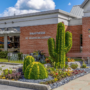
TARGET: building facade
(30,32)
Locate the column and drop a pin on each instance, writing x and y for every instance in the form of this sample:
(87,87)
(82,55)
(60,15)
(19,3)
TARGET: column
(5,43)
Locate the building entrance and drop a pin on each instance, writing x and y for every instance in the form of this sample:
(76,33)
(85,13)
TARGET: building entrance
(10,39)
(13,43)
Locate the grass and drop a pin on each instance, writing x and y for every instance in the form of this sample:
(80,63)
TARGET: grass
(6,60)
(78,59)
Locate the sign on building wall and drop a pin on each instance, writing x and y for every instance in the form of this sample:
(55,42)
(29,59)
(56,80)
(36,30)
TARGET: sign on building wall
(34,33)
(37,33)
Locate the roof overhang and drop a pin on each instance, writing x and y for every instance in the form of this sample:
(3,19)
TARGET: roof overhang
(84,3)
(9,32)
(39,14)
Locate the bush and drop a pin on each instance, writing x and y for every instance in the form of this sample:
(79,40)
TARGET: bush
(0,50)
(74,66)
(36,71)
(27,61)
(3,54)
(83,65)
(20,55)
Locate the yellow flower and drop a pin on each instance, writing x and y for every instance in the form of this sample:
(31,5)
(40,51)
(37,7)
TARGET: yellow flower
(55,79)
(3,78)
(13,79)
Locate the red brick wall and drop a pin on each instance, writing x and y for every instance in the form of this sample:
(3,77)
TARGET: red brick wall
(30,45)
(76,32)
(85,32)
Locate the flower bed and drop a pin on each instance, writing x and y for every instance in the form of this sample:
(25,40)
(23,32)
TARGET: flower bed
(54,83)
(75,74)
(56,78)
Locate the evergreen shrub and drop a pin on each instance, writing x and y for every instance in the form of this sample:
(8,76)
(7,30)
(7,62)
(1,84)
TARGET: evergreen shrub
(27,61)
(36,71)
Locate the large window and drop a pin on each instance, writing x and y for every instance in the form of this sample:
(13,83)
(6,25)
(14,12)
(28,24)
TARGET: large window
(1,43)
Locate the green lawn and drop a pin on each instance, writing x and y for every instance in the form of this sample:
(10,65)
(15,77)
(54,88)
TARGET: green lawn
(78,59)
(6,60)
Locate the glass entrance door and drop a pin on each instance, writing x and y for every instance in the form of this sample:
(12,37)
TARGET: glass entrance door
(13,44)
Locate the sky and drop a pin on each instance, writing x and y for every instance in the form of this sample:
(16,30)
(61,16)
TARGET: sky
(17,7)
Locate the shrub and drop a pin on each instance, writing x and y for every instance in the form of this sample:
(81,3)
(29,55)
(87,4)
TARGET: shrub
(3,54)
(36,71)
(20,55)
(0,50)
(83,65)
(27,61)
(74,66)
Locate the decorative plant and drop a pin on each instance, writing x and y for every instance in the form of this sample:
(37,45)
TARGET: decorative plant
(47,60)
(63,45)
(74,66)
(83,65)
(21,71)
(27,61)
(75,72)
(70,60)
(0,69)
(36,71)
(20,55)
(10,71)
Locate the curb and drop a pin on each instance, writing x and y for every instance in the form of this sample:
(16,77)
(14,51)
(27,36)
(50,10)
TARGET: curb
(10,63)
(25,84)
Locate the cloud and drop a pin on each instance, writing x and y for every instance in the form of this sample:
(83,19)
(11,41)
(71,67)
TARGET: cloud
(69,4)
(29,6)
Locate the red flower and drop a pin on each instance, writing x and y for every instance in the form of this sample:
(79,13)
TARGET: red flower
(56,74)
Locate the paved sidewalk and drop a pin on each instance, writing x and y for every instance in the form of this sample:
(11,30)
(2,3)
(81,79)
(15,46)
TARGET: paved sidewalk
(82,83)
(5,87)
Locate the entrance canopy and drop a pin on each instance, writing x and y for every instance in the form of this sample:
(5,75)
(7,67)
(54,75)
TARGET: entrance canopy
(10,30)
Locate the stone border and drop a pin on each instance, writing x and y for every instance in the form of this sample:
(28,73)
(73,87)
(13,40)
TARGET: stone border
(10,63)
(25,84)
(68,79)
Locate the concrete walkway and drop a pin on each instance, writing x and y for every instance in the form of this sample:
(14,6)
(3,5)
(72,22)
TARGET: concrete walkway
(5,87)
(82,83)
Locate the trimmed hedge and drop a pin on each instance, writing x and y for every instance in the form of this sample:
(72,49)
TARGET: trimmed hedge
(36,71)
(63,45)
(3,54)
(27,61)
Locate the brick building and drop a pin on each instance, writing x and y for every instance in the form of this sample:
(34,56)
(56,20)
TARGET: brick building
(30,32)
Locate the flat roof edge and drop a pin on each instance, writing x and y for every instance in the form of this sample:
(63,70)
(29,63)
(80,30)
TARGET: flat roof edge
(39,13)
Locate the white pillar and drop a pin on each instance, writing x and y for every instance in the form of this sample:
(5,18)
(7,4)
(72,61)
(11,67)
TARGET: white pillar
(5,43)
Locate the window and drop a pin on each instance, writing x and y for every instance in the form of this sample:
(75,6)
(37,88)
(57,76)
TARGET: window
(81,43)
(81,40)
(1,42)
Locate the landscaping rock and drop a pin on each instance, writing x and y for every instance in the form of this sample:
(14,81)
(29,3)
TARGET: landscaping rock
(47,65)
(78,63)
